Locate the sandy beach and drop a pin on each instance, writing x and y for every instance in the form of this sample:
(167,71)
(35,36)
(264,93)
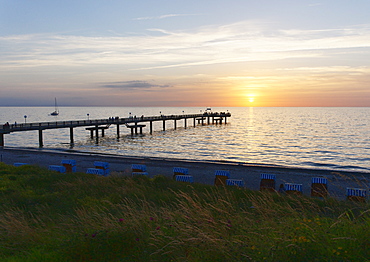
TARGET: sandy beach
(202,171)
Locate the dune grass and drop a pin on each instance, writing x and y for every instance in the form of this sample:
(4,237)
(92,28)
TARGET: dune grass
(47,216)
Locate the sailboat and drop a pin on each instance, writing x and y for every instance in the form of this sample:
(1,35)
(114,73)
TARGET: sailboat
(56,111)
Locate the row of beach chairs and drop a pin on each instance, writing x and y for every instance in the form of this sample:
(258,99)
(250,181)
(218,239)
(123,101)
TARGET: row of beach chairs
(319,185)
(69,166)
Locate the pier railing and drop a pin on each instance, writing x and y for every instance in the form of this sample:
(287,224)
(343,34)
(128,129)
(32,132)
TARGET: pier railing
(94,122)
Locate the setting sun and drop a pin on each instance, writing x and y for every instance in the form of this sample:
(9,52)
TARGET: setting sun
(251,97)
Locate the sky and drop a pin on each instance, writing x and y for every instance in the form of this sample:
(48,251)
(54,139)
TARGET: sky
(209,53)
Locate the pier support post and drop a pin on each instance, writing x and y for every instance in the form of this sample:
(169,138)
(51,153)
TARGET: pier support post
(174,125)
(164,125)
(225,120)
(97,133)
(102,132)
(151,127)
(208,120)
(91,134)
(117,130)
(194,122)
(141,130)
(1,139)
(40,138)
(71,135)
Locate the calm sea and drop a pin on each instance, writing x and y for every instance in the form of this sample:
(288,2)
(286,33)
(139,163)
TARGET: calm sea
(327,138)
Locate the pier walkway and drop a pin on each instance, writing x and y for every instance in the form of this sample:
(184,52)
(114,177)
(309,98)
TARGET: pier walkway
(94,125)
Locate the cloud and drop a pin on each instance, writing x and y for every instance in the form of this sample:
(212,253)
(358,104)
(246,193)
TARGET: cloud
(132,85)
(210,45)
(162,16)
(331,69)
(315,4)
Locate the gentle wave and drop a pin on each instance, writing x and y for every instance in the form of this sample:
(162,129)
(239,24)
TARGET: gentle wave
(325,138)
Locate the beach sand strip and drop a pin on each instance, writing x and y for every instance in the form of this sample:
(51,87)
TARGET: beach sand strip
(202,171)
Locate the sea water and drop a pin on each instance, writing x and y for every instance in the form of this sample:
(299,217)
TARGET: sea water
(326,138)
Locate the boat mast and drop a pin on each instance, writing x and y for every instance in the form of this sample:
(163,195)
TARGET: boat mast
(56,107)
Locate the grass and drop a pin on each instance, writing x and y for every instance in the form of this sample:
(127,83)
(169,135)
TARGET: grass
(47,216)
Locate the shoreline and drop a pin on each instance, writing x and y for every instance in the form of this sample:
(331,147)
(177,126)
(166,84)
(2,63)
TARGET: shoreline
(202,171)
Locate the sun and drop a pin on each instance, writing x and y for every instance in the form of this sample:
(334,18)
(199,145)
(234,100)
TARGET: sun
(251,97)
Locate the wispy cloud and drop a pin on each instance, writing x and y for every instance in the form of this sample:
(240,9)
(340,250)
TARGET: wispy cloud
(315,4)
(131,85)
(331,69)
(163,16)
(234,43)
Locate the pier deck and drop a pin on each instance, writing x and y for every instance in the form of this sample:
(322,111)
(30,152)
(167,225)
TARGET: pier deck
(101,124)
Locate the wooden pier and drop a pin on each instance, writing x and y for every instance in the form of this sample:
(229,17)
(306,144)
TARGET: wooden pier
(94,125)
